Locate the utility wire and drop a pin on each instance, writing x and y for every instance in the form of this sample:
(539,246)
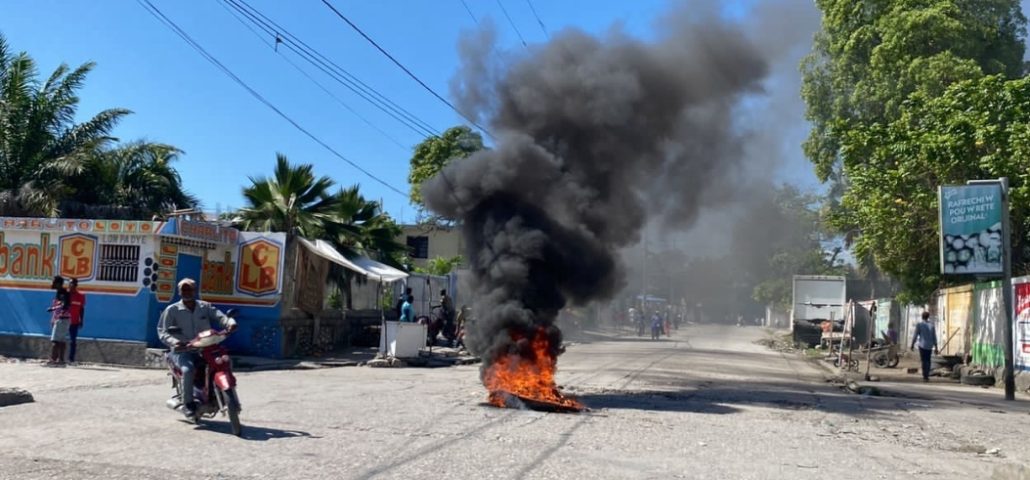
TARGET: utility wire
(405,69)
(467,9)
(274,46)
(150,8)
(333,70)
(538,21)
(510,22)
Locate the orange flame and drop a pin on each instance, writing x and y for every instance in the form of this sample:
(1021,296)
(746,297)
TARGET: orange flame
(528,378)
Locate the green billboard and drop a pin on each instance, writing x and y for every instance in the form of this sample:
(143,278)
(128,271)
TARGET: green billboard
(971,236)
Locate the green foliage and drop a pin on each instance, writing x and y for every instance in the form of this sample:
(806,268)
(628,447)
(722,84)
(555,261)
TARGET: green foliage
(291,201)
(50,165)
(898,102)
(870,56)
(977,129)
(437,151)
(441,265)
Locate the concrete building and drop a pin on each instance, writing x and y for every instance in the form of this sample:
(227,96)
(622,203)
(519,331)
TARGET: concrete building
(428,242)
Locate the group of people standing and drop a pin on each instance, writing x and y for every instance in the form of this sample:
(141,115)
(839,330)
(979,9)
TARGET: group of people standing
(660,324)
(445,318)
(67,314)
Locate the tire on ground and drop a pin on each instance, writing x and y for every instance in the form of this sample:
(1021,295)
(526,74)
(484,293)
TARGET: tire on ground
(978,379)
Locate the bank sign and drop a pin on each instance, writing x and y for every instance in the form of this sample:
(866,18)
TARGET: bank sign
(971,236)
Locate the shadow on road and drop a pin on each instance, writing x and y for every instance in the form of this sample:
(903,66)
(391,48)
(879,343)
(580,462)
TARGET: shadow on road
(252,433)
(725,399)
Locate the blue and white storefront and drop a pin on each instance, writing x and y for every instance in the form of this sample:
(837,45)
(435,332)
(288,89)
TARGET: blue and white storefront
(128,271)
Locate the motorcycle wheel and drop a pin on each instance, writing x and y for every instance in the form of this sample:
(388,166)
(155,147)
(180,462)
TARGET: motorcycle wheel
(893,362)
(233,405)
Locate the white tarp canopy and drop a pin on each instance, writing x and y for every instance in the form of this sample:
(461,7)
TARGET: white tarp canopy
(363,265)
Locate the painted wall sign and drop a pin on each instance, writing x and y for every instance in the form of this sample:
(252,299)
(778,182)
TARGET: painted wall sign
(71,225)
(78,256)
(216,275)
(207,231)
(35,260)
(260,263)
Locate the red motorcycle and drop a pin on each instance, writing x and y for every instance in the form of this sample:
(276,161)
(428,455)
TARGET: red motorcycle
(214,386)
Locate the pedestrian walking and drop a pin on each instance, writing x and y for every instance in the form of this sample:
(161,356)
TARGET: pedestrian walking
(59,322)
(76,316)
(656,326)
(926,336)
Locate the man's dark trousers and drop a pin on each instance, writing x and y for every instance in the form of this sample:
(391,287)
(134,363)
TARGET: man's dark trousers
(924,356)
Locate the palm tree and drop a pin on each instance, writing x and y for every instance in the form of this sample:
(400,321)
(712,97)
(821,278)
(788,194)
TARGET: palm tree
(40,143)
(136,180)
(292,201)
(361,227)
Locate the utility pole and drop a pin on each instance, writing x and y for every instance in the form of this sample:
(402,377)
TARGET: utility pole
(643,278)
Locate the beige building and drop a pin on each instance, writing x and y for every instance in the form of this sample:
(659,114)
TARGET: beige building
(426,242)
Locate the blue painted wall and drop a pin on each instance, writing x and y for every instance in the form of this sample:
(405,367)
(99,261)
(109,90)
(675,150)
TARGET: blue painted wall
(117,317)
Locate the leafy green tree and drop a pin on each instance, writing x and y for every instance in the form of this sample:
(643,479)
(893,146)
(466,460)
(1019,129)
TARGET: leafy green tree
(870,56)
(976,129)
(293,200)
(361,227)
(437,151)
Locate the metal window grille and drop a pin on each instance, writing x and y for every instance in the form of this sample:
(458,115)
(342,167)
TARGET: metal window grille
(419,246)
(119,263)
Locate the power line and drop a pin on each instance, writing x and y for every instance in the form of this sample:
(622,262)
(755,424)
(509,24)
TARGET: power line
(538,21)
(311,78)
(150,8)
(467,9)
(405,69)
(333,70)
(510,22)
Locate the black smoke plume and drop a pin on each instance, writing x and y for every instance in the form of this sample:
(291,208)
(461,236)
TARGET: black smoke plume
(594,136)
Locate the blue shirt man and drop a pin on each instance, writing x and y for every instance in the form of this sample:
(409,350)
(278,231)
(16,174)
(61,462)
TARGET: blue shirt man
(407,311)
(926,336)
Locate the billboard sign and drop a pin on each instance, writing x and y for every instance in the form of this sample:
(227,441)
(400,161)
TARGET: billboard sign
(1021,342)
(971,236)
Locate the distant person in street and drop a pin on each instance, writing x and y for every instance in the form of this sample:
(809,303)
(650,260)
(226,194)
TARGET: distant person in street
(407,310)
(656,326)
(640,323)
(461,323)
(926,337)
(403,298)
(59,322)
(77,316)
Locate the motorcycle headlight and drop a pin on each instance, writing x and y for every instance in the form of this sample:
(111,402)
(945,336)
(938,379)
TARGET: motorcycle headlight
(218,360)
(225,358)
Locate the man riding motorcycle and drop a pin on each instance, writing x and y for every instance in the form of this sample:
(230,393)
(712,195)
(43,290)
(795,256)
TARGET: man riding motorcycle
(179,324)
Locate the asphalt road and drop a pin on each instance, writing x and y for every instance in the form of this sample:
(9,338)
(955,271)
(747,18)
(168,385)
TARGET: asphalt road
(705,403)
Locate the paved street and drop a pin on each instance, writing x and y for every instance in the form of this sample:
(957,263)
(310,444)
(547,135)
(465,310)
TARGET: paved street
(706,403)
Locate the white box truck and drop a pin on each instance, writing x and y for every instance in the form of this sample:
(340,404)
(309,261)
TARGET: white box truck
(816,298)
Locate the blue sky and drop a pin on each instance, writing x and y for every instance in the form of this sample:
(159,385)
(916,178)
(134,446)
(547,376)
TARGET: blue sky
(181,99)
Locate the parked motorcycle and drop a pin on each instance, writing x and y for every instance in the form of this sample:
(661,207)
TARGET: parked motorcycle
(214,386)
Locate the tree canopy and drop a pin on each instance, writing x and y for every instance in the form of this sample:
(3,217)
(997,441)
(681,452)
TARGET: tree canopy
(904,96)
(52,165)
(437,151)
